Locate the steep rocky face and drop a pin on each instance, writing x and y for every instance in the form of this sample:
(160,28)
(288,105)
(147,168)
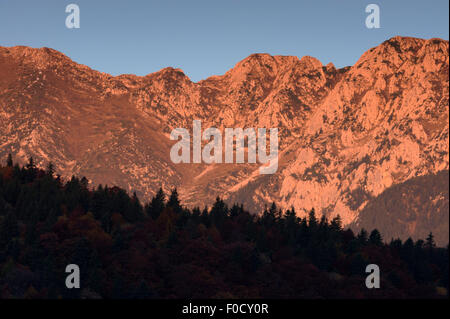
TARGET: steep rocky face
(346,135)
(384,122)
(410,209)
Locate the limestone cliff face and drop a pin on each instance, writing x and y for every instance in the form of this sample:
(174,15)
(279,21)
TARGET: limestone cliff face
(346,135)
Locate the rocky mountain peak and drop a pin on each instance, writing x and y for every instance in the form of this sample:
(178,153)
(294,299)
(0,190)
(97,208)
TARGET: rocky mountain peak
(345,135)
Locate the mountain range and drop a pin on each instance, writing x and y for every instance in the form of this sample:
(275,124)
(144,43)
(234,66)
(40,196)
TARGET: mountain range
(351,139)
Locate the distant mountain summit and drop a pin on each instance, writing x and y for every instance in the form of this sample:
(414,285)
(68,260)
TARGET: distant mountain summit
(346,135)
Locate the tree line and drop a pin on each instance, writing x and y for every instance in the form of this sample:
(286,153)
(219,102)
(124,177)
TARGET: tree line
(161,249)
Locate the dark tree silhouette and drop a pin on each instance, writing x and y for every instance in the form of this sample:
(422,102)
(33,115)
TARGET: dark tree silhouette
(164,250)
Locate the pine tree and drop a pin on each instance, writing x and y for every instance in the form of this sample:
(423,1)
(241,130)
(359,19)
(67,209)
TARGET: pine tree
(273,210)
(362,236)
(375,238)
(30,164)
(234,211)
(9,161)
(50,169)
(323,222)
(291,216)
(312,220)
(430,243)
(31,169)
(174,201)
(336,223)
(133,212)
(219,212)
(157,204)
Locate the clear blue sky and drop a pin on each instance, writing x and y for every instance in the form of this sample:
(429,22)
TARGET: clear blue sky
(207,37)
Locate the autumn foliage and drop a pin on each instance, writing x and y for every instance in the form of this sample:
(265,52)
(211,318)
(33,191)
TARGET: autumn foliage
(126,249)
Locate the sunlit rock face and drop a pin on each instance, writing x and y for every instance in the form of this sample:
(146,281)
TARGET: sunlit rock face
(345,135)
